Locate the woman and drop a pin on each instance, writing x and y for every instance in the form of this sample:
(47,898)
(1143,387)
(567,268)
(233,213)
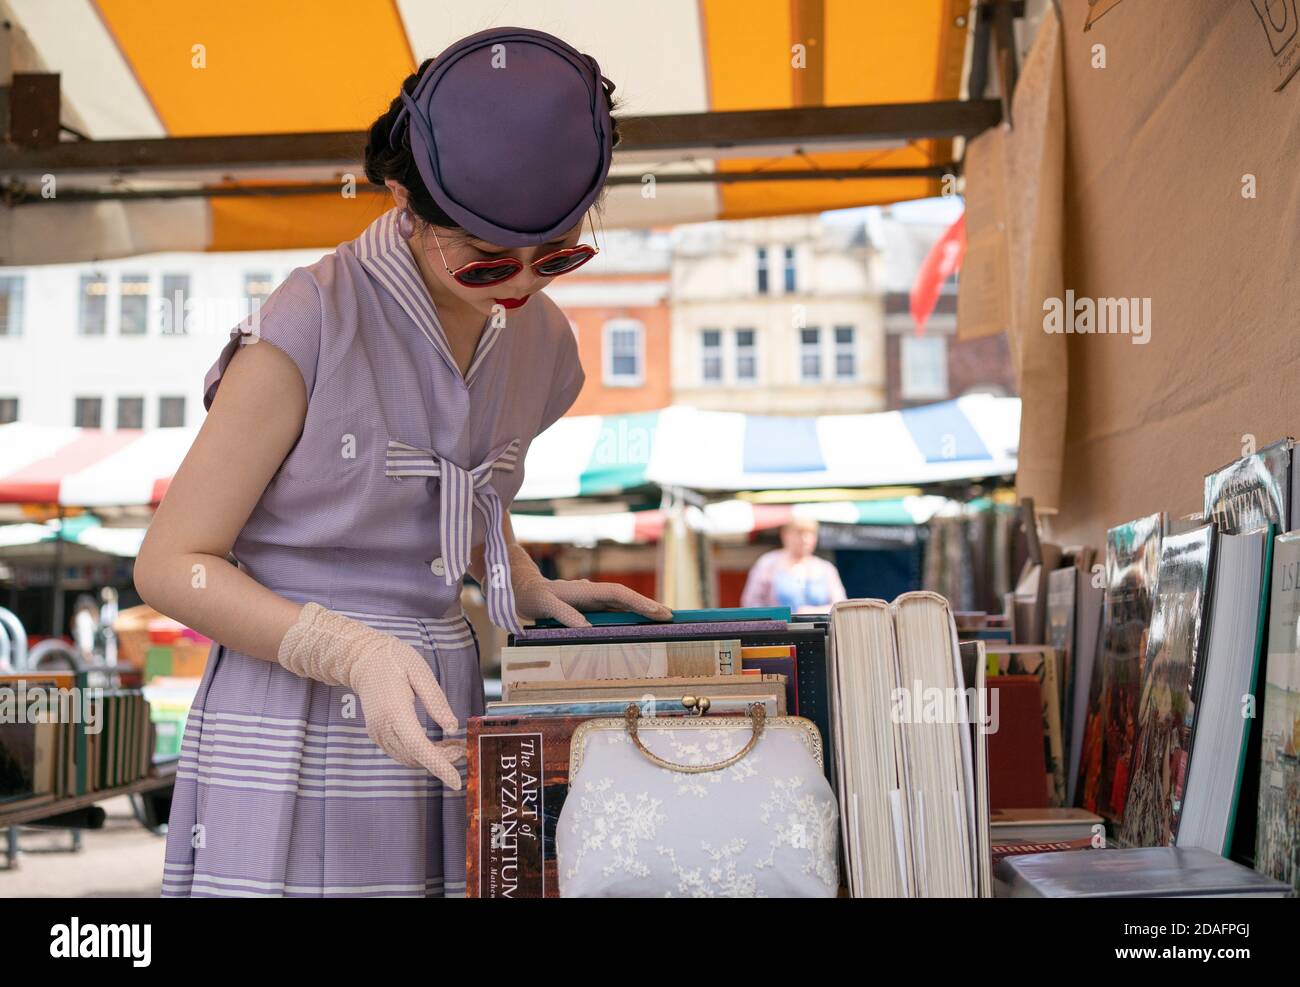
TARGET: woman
(357,467)
(792,576)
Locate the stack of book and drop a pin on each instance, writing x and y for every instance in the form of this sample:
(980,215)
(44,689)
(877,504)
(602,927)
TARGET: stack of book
(59,738)
(1179,673)
(910,759)
(554,678)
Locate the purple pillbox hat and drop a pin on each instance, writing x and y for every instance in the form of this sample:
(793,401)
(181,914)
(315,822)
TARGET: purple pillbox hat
(511,132)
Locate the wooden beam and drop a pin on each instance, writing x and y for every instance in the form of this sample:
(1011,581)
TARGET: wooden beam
(343,150)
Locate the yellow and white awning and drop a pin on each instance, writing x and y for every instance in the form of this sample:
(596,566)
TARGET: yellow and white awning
(159,73)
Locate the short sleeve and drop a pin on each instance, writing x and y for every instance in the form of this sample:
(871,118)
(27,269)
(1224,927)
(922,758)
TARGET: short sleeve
(289,319)
(569,378)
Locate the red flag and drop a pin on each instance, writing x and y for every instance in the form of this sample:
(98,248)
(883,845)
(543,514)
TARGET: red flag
(941,263)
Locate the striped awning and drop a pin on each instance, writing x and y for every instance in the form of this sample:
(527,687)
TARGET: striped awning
(969,438)
(590,455)
(728,517)
(84,539)
(251,68)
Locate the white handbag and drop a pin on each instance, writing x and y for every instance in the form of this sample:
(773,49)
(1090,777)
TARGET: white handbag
(723,806)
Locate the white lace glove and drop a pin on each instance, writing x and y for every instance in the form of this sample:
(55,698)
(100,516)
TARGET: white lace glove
(561,599)
(388,677)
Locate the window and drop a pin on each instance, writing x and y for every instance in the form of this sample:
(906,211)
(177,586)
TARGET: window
(846,353)
(8,410)
(133,305)
(130,412)
(924,367)
(762,270)
(175,294)
(746,359)
(94,307)
(789,271)
(171,412)
(624,352)
(711,352)
(11,306)
(257,288)
(810,353)
(87,412)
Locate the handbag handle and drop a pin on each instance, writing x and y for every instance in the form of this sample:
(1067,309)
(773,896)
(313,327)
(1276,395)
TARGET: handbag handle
(757,717)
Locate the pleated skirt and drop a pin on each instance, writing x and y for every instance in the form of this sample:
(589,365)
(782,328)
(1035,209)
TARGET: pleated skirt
(280,791)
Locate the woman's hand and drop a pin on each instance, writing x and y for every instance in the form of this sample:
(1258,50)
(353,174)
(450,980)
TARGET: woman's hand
(561,599)
(388,676)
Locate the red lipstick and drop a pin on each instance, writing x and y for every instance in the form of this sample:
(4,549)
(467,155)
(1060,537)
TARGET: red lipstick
(511,302)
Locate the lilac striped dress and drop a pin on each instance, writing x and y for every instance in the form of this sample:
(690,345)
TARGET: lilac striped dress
(402,466)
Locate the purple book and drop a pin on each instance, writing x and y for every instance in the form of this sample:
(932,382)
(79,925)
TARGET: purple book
(653,632)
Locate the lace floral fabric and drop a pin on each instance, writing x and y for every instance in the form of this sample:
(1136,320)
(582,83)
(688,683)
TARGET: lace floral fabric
(766,826)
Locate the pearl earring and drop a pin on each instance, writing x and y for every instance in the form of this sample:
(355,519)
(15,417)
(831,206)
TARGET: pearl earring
(405,224)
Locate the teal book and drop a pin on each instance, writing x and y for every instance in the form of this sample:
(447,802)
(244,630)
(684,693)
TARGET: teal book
(601,618)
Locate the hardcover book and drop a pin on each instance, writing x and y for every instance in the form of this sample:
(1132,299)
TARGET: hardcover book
(1132,561)
(561,662)
(1254,491)
(1166,712)
(1062,592)
(1040,662)
(1277,843)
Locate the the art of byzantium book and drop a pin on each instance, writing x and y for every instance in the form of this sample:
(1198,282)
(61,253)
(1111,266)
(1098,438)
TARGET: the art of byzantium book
(1252,492)
(1175,644)
(1277,849)
(1132,560)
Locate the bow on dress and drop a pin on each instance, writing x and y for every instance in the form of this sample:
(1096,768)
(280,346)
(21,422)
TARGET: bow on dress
(461,492)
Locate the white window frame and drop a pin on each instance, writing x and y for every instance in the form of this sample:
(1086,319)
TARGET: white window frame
(803,349)
(738,380)
(612,326)
(838,349)
(721,348)
(909,387)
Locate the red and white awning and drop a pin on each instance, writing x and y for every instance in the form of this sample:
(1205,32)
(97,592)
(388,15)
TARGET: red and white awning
(82,467)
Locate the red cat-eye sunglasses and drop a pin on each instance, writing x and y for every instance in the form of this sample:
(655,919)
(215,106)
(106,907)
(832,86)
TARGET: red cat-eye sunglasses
(490,273)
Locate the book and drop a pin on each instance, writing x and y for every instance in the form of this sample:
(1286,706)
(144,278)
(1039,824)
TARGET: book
(1277,842)
(1062,597)
(937,750)
(710,615)
(658,630)
(1141,872)
(776,659)
(1040,662)
(561,662)
(974,667)
(869,769)
(1175,646)
(670,689)
(1132,560)
(1051,824)
(1226,707)
(1017,766)
(1253,491)
(908,783)
(719,706)
(517,780)
(807,633)
(1012,848)
(1087,635)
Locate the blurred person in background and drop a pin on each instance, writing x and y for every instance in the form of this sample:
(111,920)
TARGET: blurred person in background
(792,576)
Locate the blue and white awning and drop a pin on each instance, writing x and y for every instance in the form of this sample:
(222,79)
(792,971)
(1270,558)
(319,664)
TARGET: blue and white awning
(971,437)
